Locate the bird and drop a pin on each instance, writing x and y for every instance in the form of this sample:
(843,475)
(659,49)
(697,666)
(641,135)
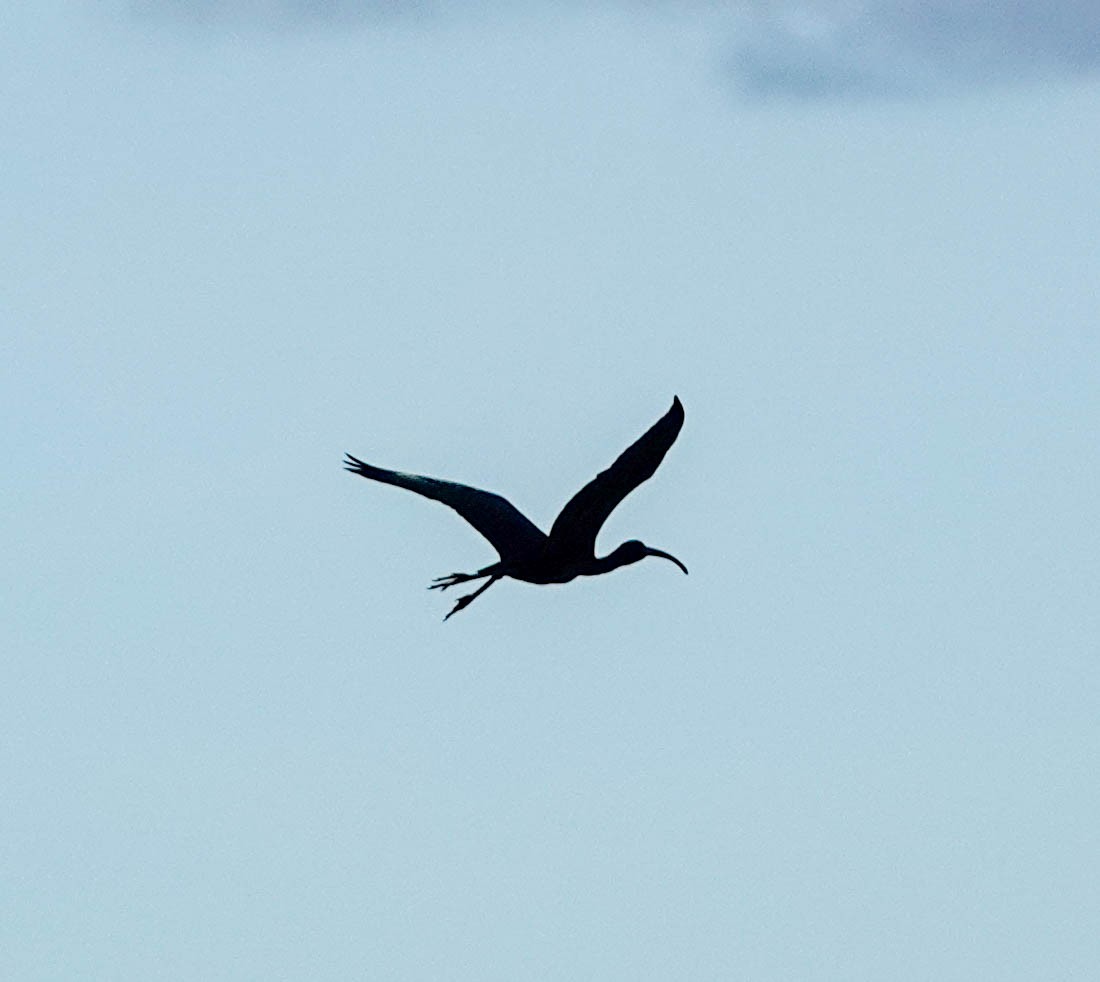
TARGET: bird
(526,553)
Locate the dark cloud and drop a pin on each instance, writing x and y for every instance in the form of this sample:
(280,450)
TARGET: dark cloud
(911,47)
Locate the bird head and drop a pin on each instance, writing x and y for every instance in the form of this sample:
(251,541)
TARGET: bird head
(632,551)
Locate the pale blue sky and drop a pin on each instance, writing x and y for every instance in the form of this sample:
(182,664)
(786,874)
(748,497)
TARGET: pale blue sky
(860,741)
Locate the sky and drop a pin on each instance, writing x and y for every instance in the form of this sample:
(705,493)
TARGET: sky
(489,243)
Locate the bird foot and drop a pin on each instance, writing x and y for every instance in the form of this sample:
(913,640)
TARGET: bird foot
(443,582)
(470,597)
(462,602)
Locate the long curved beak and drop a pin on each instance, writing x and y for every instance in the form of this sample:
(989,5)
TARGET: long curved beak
(665,555)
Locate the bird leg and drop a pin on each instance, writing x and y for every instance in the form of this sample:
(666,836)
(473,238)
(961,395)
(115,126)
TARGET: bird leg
(494,572)
(470,597)
(443,582)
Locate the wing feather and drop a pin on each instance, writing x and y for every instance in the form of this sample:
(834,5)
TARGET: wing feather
(573,536)
(511,533)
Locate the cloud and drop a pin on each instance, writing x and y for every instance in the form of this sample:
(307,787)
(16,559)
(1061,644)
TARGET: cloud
(799,48)
(911,47)
(278,14)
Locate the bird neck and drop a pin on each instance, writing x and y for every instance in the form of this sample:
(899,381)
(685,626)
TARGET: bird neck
(605,564)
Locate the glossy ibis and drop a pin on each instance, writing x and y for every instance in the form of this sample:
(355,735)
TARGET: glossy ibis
(569,550)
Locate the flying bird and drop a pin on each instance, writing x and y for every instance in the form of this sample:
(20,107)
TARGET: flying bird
(569,550)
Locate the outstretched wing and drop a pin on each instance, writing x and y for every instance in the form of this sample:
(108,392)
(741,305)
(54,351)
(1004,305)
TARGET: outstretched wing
(574,533)
(512,534)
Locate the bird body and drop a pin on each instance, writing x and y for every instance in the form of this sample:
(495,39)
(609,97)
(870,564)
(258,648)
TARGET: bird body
(526,553)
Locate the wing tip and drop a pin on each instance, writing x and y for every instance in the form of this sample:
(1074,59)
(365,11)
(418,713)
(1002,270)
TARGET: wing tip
(676,411)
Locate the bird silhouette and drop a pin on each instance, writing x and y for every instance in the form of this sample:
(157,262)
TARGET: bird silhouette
(569,550)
